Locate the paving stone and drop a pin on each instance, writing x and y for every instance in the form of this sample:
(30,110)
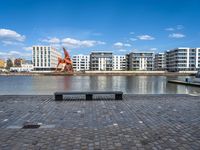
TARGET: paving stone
(137,122)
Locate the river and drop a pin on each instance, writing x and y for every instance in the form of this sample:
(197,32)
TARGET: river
(28,85)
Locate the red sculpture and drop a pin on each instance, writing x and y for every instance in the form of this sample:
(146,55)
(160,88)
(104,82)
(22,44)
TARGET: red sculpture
(66,62)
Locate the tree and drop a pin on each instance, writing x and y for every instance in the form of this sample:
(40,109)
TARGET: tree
(9,64)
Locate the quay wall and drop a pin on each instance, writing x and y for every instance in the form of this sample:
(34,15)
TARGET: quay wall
(150,73)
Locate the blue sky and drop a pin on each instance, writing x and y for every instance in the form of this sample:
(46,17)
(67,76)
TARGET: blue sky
(82,26)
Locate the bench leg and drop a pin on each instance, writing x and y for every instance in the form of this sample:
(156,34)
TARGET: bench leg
(58,97)
(88,96)
(118,96)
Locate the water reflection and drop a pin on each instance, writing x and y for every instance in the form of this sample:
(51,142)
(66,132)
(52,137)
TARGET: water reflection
(128,84)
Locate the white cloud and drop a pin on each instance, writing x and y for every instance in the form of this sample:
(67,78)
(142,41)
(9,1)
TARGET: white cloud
(179,27)
(176,35)
(153,49)
(10,35)
(122,50)
(133,39)
(127,45)
(72,43)
(52,40)
(120,45)
(28,48)
(15,54)
(5,43)
(2,53)
(169,29)
(145,37)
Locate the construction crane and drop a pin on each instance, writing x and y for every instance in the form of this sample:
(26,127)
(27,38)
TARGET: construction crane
(66,62)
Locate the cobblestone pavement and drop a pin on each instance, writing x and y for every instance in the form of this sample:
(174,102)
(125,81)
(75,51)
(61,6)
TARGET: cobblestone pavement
(137,122)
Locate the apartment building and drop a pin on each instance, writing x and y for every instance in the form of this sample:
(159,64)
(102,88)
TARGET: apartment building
(160,61)
(101,61)
(140,61)
(81,62)
(119,62)
(183,59)
(44,58)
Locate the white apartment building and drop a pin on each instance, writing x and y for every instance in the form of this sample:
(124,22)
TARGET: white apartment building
(45,58)
(101,61)
(140,61)
(81,62)
(119,62)
(160,61)
(183,59)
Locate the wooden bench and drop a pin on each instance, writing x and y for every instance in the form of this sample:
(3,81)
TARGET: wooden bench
(88,95)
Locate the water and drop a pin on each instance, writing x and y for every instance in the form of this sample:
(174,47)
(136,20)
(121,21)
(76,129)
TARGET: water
(128,84)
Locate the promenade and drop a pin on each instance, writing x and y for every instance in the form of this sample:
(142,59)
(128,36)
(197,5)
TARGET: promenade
(137,122)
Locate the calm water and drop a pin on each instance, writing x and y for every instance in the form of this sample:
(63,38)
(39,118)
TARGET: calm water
(128,84)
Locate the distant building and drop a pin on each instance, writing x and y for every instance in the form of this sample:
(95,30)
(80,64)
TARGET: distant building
(2,63)
(140,61)
(28,62)
(81,62)
(18,62)
(44,58)
(119,62)
(23,68)
(101,61)
(160,61)
(183,59)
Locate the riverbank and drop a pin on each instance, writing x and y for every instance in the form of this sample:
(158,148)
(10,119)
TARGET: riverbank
(112,73)
(137,122)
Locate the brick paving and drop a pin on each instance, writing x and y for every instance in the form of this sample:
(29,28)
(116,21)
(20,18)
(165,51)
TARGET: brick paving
(137,122)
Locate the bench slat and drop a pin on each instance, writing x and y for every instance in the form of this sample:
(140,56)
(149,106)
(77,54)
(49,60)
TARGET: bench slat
(89,95)
(91,92)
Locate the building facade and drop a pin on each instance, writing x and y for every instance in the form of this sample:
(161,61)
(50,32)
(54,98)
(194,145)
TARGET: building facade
(102,61)
(160,61)
(183,59)
(81,62)
(45,58)
(119,62)
(23,68)
(140,61)
(2,63)
(18,62)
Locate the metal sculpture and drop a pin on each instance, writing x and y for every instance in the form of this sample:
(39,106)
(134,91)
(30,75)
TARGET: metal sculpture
(66,62)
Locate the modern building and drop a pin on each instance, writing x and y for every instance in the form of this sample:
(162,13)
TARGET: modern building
(45,58)
(23,68)
(119,62)
(81,62)
(160,61)
(183,59)
(2,63)
(101,61)
(140,61)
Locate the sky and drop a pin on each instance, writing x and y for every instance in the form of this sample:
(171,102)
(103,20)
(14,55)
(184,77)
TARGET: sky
(82,26)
